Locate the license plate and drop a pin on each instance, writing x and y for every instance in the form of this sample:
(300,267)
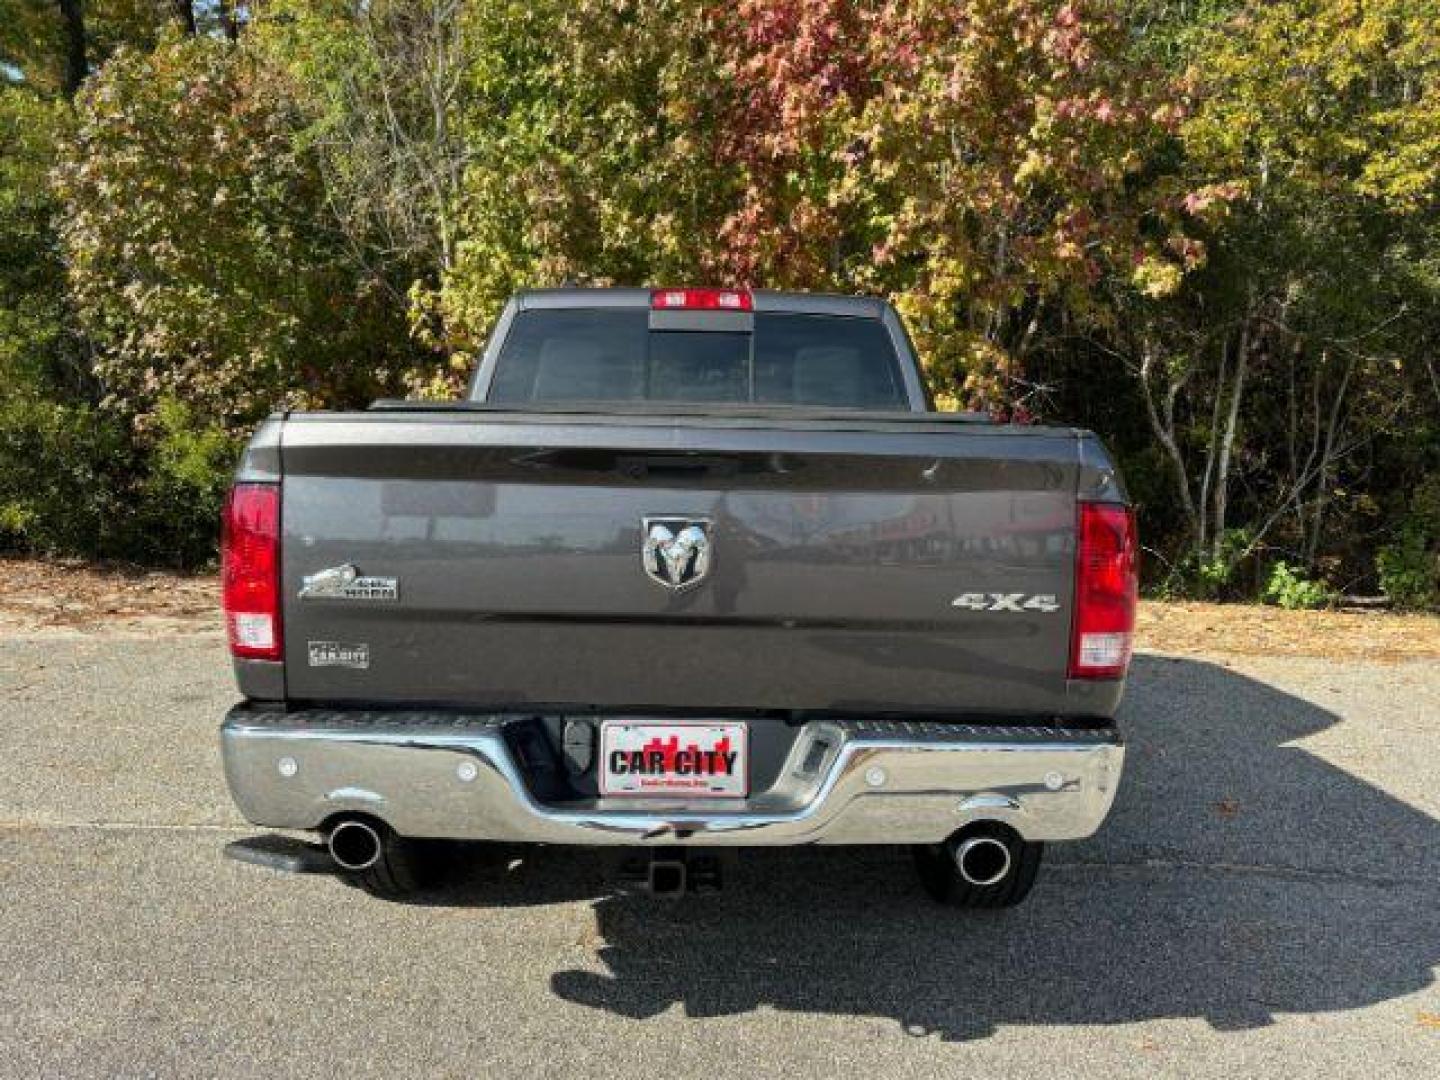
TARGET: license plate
(691,759)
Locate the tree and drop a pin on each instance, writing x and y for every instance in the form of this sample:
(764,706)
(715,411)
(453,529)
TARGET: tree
(592,129)
(1311,166)
(40,353)
(980,162)
(383,86)
(198,256)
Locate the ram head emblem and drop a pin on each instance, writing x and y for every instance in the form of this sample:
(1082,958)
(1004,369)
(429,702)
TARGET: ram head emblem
(676,552)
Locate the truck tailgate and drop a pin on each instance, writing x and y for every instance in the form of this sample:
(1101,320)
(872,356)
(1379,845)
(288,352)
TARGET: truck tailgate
(838,550)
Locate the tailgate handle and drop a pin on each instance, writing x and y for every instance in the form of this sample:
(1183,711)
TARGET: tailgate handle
(664,465)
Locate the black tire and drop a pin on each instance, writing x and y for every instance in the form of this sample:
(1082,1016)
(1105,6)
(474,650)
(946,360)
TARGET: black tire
(405,867)
(935,864)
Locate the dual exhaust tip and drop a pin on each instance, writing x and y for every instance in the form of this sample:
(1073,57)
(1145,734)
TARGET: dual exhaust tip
(355,845)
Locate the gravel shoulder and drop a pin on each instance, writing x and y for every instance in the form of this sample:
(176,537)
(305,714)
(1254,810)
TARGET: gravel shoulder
(67,597)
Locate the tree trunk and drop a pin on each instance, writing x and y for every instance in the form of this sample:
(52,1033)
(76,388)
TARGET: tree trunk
(1163,426)
(185,15)
(1227,444)
(1327,461)
(1212,450)
(77,66)
(225,10)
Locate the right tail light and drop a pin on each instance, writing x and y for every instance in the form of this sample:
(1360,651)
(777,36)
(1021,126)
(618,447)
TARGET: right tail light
(1107,587)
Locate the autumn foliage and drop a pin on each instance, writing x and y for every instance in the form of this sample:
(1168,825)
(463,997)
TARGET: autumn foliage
(1207,230)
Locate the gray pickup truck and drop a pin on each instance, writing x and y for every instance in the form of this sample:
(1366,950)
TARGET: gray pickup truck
(690,570)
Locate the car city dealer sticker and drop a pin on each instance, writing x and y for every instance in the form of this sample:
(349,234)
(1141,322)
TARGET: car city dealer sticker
(339,654)
(696,759)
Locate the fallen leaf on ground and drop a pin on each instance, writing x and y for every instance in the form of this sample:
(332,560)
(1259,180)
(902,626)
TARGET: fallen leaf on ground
(1227,808)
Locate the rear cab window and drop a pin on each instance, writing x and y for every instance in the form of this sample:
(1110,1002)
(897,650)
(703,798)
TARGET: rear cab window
(616,355)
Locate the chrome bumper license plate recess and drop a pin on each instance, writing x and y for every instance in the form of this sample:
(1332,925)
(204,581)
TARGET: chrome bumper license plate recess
(695,760)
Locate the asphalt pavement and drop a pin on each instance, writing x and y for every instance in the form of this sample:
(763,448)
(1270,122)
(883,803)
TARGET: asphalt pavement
(1265,900)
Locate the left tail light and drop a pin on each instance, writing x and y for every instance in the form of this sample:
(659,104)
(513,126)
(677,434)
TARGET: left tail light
(1107,587)
(250,571)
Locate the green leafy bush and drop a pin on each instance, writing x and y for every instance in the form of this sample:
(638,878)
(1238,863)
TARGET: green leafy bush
(1409,568)
(182,488)
(36,351)
(1210,576)
(73,479)
(1409,571)
(1290,589)
(59,478)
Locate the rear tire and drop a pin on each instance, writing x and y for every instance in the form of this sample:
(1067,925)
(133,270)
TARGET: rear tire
(406,866)
(941,878)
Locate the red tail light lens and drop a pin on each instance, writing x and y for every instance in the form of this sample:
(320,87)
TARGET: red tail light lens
(1107,586)
(701,300)
(250,570)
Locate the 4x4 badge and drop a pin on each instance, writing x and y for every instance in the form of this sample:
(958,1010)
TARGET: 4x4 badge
(1045,603)
(676,551)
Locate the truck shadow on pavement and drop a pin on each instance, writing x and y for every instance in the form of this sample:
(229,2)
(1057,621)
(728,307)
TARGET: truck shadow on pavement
(1239,877)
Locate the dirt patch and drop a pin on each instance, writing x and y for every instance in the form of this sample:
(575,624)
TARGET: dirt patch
(1253,630)
(61,596)
(65,596)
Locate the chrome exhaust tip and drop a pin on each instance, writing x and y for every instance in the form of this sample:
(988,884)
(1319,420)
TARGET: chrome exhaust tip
(354,845)
(982,860)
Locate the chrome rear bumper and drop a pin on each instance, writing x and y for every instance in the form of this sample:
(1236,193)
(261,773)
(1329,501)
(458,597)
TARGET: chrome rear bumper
(875,782)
